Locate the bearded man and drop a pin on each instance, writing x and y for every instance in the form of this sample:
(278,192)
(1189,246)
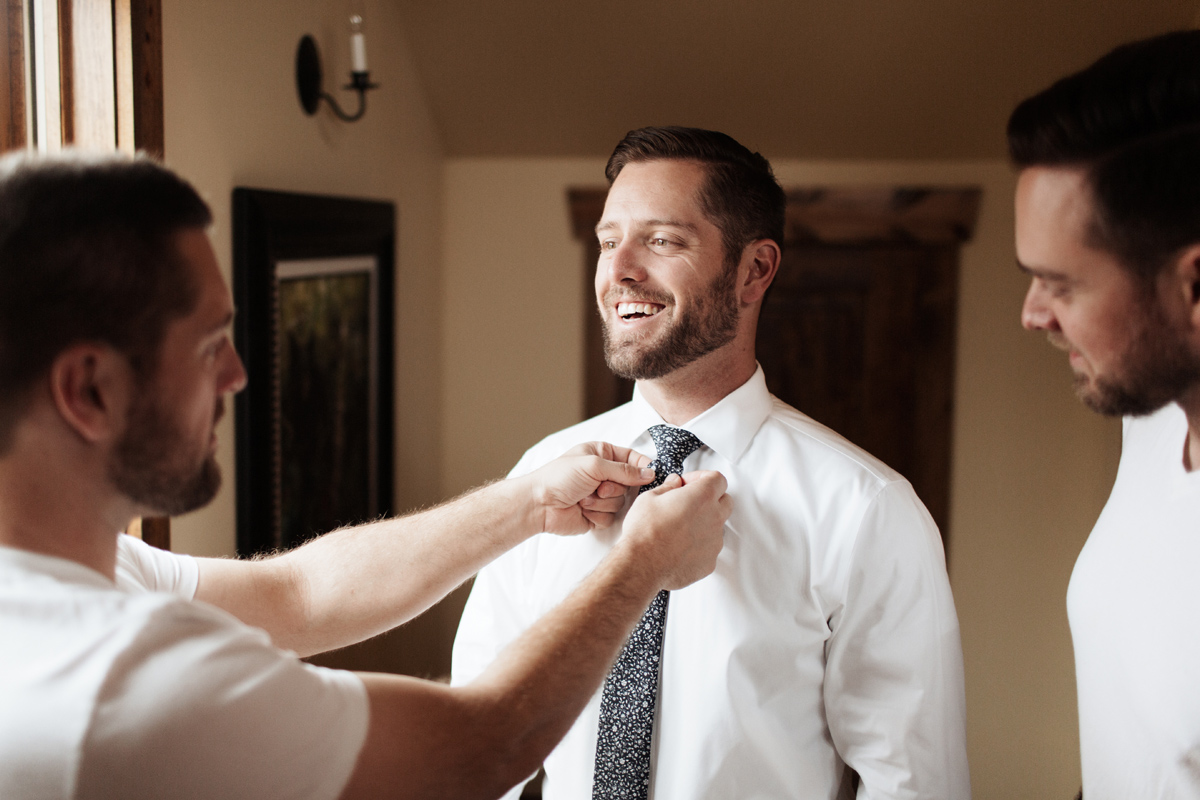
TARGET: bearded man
(1108,229)
(136,673)
(822,657)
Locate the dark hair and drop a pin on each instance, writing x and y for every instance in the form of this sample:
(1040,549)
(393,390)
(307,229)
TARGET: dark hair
(1131,123)
(740,195)
(87,253)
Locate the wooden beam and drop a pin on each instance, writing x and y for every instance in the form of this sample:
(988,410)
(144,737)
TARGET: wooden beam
(145,18)
(12,76)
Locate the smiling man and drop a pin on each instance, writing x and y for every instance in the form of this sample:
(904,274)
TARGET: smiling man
(129,672)
(1108,228)
(823,654)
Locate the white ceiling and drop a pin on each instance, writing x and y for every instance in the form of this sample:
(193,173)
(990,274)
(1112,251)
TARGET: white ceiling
(792,78)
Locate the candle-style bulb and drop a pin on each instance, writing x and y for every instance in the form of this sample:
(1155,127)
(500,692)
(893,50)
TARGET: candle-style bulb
(358,45)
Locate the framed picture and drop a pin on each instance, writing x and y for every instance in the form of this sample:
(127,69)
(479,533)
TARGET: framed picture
(312,283)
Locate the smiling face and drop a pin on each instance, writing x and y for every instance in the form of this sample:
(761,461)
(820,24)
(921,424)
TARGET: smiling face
(666,291)
(1128,352)
(165,460)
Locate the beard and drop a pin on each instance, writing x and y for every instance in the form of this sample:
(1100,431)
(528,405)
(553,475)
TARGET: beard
(711,324)
(154,465)
(1156,368)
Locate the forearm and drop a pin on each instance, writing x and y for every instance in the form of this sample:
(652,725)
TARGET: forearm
(497,730)
(355,583)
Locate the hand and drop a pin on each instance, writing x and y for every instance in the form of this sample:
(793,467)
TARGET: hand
(679,527)
(586,487)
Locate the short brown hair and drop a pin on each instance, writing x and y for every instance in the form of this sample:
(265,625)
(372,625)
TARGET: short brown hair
(1131,123)
(87,253)
(740,194)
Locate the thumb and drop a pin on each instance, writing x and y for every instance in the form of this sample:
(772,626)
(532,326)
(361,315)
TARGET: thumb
(624,474)
(673,481)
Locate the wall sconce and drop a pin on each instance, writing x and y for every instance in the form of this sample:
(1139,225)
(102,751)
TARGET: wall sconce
(309,77)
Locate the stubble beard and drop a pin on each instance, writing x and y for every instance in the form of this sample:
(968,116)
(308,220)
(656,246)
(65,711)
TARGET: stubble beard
(153,467)
(710,325)
(1156,368)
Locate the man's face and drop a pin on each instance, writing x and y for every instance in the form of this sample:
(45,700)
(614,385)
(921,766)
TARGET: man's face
(666,294)
(1128,354)
(165,460)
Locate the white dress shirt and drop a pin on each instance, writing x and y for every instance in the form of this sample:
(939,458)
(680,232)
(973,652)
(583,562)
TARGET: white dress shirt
(826,637)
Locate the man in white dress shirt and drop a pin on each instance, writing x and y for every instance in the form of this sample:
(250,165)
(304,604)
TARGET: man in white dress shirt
(822,657)
(1108,229)
(129,672)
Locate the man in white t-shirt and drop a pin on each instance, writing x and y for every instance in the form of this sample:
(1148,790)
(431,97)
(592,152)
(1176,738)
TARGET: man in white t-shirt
(134,673)
(1108,228)
(821,659)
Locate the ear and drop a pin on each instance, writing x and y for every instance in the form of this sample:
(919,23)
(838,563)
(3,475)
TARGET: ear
(1187,269)
(763,256)
(91,385)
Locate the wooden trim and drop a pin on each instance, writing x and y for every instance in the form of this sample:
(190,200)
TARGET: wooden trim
(875,215)
(145,17)
(157,531)
(66,70)
(12,76)
(123,74)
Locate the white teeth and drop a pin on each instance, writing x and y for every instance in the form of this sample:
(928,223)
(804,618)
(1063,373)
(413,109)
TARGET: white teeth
(629,309)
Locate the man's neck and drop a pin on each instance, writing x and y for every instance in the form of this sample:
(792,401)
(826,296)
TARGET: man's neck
(51,511)
(690,391)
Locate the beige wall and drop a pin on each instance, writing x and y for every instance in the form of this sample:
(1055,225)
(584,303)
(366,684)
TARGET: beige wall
(1031,467)
(233,119)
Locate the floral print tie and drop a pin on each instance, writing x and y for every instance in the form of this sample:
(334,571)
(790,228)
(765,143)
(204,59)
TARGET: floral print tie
(631,689)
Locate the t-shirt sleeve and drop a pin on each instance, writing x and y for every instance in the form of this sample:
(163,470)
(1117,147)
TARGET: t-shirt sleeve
(143,568)
(200,705)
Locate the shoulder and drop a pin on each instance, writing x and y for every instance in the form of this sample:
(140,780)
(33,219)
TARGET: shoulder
(794,433)
(143,568)
(194,685)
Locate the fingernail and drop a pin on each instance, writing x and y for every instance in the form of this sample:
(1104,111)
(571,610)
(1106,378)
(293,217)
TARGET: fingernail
(647,472)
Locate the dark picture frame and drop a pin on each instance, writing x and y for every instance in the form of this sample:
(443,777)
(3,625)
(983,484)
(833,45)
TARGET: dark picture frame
(313,279)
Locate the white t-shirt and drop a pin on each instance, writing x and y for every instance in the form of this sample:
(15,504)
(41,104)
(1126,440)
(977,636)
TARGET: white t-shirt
(133,690)
(1134,607)
(826,637)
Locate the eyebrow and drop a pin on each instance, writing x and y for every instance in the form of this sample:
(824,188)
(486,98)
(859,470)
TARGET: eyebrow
(652,223)
(225,322)
(1044,274)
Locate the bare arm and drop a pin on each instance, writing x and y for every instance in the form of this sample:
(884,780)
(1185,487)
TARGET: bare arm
(354,583)
(430,740)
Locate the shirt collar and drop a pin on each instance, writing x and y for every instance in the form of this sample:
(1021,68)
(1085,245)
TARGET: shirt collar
(726,428)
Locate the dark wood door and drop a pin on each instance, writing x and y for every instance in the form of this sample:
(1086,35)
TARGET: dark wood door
(861,339)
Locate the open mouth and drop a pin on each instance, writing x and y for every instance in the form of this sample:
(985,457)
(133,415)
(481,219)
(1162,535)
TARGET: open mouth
(632,311)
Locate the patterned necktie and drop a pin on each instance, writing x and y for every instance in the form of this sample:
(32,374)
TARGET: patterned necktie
(631,689)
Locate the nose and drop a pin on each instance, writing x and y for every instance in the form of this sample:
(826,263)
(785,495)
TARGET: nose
(234,374)
(1035,312)
(623,264)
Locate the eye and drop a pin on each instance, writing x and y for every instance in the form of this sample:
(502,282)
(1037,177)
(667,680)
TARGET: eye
(608,244)
(214,349)
(1058,289)
(659,241)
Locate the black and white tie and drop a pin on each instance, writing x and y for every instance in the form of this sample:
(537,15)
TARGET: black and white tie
(631,689)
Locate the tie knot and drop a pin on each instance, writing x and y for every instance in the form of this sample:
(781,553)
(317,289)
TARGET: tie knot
(672,446)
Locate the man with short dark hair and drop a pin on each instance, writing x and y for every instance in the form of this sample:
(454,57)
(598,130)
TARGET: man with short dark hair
(1108,228)
(823,653)
(129,672)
